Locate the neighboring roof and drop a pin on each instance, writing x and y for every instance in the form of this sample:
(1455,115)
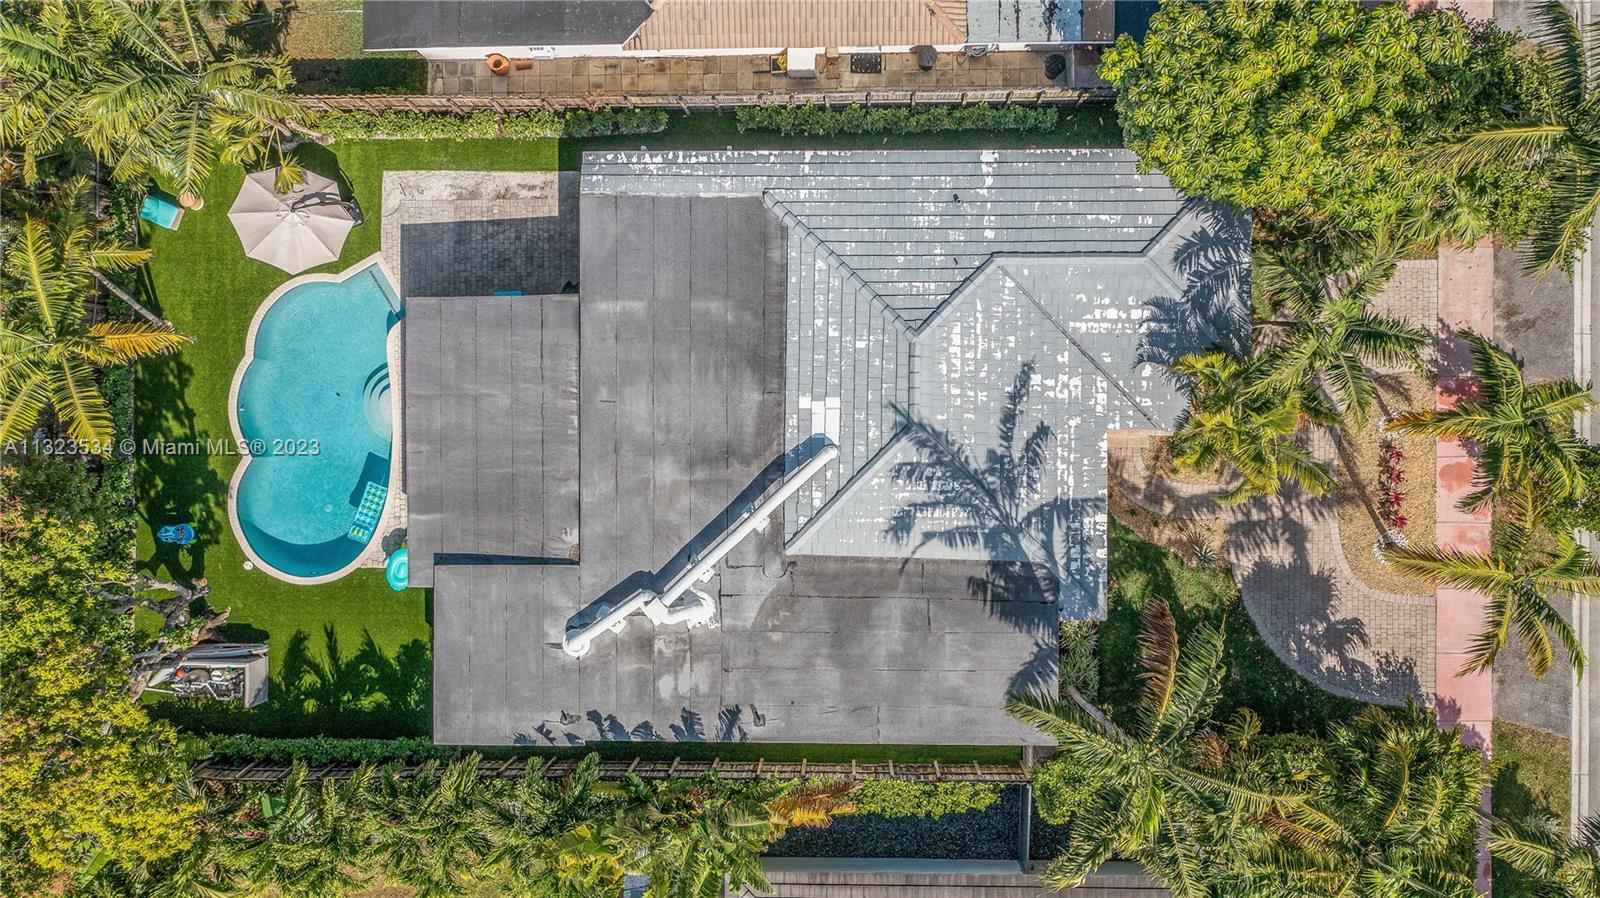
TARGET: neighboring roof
(491,429)
(744,24)
(921,285)
(415,24)
(1010,21)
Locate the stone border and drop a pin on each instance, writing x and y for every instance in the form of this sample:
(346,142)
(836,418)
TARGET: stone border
(238,436)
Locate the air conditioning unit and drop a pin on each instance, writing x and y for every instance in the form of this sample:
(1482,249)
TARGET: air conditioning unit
(803,61)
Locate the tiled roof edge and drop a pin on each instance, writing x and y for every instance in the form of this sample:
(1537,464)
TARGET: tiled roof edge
(844,492)
(852,279)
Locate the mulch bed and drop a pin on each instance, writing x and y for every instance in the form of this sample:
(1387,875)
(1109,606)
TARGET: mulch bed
(1183,536)
(1359,462)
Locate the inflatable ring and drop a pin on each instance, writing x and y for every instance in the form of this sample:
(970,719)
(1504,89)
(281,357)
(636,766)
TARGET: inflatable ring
(398,570)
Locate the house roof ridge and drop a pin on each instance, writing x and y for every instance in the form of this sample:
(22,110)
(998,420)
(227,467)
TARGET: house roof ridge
(846,490)
(853,279)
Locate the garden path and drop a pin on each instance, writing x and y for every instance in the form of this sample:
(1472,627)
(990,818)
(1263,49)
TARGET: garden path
(1297,586)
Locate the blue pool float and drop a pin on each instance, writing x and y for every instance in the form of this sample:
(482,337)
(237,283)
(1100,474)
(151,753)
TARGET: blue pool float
(177,534)
(398,569)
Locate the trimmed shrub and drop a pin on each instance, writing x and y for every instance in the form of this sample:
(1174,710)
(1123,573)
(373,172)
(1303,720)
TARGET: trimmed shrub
(1080,657)
(897,798)
(327,750)
(812,120)
(609,122)
(539,124)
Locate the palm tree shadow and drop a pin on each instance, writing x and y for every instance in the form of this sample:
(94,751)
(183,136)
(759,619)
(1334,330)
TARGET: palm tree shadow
(1213,309)
(995,508)
(367,693)
(174,486)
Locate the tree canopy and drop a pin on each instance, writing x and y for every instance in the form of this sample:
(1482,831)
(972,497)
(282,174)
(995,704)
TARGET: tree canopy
(88,776)
(1323,113)
(144,87)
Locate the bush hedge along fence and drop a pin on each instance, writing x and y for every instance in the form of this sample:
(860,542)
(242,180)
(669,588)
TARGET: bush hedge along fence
(886,797)
(485,124)
(812,120)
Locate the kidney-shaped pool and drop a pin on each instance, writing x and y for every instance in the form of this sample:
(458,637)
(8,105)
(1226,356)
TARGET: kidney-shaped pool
(311,403)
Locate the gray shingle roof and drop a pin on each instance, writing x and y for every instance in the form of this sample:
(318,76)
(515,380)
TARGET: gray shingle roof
(921,284)
(415,24)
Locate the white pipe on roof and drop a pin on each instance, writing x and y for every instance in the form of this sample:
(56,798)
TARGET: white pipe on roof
(664,607)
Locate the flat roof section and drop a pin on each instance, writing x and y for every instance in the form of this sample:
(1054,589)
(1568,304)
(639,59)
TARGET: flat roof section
(490,427)
(417,24)
(493,661)
(681,411)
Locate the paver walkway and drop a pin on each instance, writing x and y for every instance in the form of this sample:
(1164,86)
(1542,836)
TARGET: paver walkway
(1298,588)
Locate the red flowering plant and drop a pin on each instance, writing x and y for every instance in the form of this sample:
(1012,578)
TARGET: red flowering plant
(1389,478)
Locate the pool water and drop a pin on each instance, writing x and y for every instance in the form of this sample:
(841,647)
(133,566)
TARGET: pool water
(314,406)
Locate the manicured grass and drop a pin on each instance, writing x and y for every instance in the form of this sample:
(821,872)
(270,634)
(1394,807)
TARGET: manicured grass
(1531,776)
(350,657)
(1532,772)
(1256,679)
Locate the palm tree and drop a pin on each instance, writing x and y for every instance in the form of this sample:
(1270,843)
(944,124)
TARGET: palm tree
(1526,432)
(1395,813)
(309,840)
(1526,566)
(1560,867)
(1333,335)
(145,88)
(691,836)
(1562,136)
(429,834)
(48,353)
(1249,430)
(553,837)
(1157,793)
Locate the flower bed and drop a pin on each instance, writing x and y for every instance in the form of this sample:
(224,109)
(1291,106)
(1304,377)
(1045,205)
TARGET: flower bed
(1386,486)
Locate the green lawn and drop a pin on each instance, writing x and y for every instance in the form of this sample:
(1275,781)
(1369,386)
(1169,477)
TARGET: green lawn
(1531,775)
(1256,679)
(349,658)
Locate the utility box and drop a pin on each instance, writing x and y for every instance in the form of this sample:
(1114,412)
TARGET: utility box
(219,671)
(803,61)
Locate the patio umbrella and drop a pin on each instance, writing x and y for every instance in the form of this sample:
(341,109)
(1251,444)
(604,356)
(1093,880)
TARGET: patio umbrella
(293,230)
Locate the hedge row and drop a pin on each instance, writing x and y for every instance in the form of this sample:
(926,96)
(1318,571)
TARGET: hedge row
(897,798)
(325,750)
(814,120)
(484,124)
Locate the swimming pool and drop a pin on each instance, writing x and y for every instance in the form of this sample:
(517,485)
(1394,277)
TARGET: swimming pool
(311,402)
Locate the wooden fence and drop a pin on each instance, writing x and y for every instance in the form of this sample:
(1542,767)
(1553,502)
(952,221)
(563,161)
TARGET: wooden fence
(266,772)
(717,102)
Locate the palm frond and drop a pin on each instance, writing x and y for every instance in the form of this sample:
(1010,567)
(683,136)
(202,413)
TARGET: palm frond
(130,341)
(1452,567)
